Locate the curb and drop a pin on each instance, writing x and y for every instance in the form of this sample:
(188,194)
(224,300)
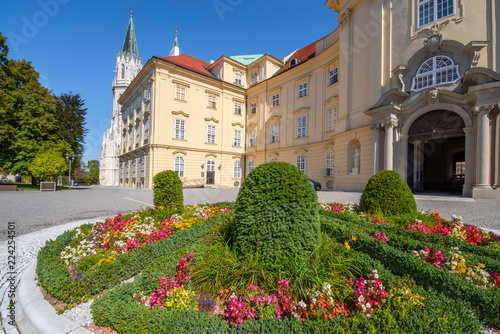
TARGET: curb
(35,314)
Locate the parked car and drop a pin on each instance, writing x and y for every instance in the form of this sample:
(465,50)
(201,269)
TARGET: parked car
(314,184)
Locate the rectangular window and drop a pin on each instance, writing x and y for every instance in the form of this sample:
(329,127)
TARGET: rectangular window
(301,127)
(333,76)
(121,170)
(180,93)
(212,101)
(124,142)
(132,109)
(133,169)
(146,128)
(238,78)
(275,131)
(275,100)
(130,138)
(430,11)
(237,138)
(251,138)
(147,94)
(332,118)
(254,78)
(126,169)
(253,108)
(179,129)
(143,163)
(237,108)
(211,134)
(139,103)
(237,169)
(137,134)
(303,90)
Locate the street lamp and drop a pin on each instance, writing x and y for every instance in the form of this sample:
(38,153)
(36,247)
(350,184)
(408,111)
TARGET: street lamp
(69,158)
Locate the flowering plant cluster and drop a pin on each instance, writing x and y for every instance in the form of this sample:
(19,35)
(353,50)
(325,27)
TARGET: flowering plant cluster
(321,304)
(347,207)
(376,220)
(403,298)
(380,236)
(370,294)
(475,274)
(436,258)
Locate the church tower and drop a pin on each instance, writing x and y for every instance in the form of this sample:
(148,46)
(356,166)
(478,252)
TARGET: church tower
(175,49)
(128,64)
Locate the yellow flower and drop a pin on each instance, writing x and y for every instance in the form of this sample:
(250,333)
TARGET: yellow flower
(353,238)
(346,245)
(481,265)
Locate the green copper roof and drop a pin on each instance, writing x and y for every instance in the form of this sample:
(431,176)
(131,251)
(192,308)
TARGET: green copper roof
(176,42)
(246,59)
(130,43)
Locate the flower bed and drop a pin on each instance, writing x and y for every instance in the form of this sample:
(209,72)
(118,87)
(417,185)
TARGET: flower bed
(368,275)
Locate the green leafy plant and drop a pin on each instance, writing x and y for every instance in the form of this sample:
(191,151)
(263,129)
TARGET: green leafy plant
(388,194)
(167,190)
(277,214)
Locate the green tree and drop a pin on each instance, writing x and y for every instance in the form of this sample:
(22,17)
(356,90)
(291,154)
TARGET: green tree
(93,166)
(49,164)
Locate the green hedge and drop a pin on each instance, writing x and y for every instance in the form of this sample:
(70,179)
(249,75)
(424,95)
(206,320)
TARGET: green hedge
(55,277)
(424,274)
(167,190)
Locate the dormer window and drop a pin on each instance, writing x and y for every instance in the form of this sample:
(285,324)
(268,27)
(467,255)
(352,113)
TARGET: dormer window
(430,11)
(294,62)
(435,71)
(238,78)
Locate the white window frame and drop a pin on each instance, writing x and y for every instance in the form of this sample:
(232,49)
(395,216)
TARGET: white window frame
(212,101)
(147,94)
(275,133)
(237,138)
(430,11)
(139,103)
(330,155)
(121,170)
(251,138)
(332,118)
(138,133)
(237,169)
(302,90)
(130,140)
(179,166)
(274,160)
(253,108)
(301,163)
(180,93)
(237,108)
(302,127)
(238,78)
(251,165)
(211,165)
(143,164)
(126,170)
(254,78)
(431,73)
(146,128)
(134,169)
(275,100)
(211,134)
(333,76)
(180,129)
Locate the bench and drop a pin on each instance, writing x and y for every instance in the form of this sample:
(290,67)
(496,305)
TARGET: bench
(10,187)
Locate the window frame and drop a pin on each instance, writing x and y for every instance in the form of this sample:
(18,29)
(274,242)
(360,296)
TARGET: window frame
(331,118)
(302,90)
(238,78)
(138,133)
(275,133)
(237,169)
(180,93)
(134,169)
(252,135)
(302,127)
(211,131)
(425,79)
(179,166)
(212,101)
(143,166)
(275,100)
(251,166)
(300,161)
(180,129)
(430,10)
(146,128)
(237,138)
(330,162)
(237,108)
(254,78)
(333,76)
(253,108)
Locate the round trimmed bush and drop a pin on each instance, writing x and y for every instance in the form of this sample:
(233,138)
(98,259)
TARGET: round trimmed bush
(276,214)
(167,190)
(388,194)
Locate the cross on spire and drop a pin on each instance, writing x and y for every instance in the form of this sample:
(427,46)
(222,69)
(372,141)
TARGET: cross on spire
(131,8)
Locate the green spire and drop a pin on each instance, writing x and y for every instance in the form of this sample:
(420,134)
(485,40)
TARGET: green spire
(130,43)
(176,42)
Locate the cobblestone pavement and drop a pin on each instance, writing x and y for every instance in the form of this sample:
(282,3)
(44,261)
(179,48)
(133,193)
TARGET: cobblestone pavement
(41,216)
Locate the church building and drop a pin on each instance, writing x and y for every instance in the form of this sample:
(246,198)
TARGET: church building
(405,85)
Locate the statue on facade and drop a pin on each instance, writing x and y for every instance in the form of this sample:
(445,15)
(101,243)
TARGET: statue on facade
(355,169)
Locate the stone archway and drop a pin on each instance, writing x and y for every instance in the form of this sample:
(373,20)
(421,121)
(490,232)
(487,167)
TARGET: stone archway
(432,137)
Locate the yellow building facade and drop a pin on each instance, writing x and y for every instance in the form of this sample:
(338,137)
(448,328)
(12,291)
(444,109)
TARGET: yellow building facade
(406,85)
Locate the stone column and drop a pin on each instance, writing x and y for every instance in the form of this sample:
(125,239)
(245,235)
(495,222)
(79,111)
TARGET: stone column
(483,161)
(416,165)
(389,145)
(496,163)
(376,148)
(469,162)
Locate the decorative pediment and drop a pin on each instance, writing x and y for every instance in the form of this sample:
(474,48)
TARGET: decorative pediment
(252,125)
(300,151)
(329,147)
(208,119)
(393,96)
(213,155)
(251,156)
(273,155)
(332,99)
(236,156)
(179,152)
(180,112)
(479,76)
(302,110)
(237,124)
(274,117)
(334,5)
(180,82)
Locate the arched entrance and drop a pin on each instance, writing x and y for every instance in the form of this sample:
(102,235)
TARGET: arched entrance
(436,152)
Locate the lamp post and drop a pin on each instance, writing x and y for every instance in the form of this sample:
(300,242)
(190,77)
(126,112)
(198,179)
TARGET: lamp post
(69,158)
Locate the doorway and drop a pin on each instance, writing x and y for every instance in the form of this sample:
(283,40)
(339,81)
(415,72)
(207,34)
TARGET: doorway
(210,171)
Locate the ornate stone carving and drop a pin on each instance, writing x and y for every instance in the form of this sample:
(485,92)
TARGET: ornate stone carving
(344,18)
(475,59)
(434,41)
(433,95)
(400,77)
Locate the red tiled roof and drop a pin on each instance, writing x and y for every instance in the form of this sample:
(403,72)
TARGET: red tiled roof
(191,63)
(303,55)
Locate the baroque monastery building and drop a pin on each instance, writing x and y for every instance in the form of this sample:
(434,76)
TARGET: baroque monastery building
(405,85)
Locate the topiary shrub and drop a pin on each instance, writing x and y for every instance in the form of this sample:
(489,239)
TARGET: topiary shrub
(276,214)
(167,190)
(388,194)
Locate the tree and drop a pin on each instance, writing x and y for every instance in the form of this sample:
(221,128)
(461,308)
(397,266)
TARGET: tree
(49,164)
(93,166)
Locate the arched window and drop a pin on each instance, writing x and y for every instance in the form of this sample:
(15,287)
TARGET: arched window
(179,166)
(237,169)
(251,165)
(435,71)
(301,163)
(274,160)
(329,164)
(123,71)
(210,165)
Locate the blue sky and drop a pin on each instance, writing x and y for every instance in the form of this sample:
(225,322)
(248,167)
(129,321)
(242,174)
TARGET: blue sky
(73,43)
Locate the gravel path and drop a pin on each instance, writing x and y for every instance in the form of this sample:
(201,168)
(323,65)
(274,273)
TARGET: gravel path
(46,210)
